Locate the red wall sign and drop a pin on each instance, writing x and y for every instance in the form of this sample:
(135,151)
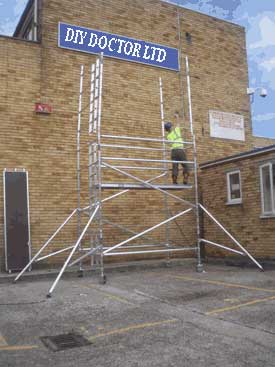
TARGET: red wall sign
(43,108)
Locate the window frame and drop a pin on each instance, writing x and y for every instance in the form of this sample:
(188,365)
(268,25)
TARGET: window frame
(272,212)
(231,201)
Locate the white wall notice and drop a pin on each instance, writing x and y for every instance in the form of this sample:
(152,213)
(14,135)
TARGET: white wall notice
(226,125)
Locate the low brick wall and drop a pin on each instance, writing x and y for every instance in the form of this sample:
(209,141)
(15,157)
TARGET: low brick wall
(243,220)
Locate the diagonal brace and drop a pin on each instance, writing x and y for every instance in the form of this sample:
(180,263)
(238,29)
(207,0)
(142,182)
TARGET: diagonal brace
(72,252)
(45,245)
(230,236)
(146,231)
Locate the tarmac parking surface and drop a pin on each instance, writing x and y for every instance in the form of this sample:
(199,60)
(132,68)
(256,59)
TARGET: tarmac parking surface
(143,317)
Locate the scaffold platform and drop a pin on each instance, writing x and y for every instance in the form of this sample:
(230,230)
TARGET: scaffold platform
(136,186)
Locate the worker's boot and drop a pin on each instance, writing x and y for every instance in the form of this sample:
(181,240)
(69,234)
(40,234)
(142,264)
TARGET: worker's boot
(175,180)
(185,178)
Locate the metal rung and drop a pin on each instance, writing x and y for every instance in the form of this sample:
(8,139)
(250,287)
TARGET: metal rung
(92,164)
(142,187)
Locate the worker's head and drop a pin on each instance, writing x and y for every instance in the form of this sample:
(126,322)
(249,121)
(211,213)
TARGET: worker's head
(168,126)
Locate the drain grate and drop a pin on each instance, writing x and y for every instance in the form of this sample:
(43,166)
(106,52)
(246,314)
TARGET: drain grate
(64,341)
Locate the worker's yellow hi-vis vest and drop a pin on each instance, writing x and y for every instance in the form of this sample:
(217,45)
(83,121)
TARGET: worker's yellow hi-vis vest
(175,136)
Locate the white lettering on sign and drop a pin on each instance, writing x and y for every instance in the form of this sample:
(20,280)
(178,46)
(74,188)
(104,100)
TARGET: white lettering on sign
(161,55)
(226,125)
(102,42)
(92,41)
(69,35)
(128,48)
(112,40)
(116,45)
(136,50)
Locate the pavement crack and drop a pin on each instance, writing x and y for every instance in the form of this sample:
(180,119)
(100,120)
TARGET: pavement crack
(246,326)
(23,303)
(155,298)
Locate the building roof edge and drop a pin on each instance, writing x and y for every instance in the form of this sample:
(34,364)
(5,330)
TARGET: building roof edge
(239,156)
(204,14)
(22,18)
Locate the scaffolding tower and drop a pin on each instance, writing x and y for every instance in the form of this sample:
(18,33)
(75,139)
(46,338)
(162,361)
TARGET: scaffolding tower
(127,167)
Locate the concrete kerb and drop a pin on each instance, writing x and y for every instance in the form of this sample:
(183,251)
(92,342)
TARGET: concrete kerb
(267,264)
(143,265)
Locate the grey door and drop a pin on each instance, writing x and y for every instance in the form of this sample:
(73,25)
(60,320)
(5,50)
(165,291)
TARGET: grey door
(16,220)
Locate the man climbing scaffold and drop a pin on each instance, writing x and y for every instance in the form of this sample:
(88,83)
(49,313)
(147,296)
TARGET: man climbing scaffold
(97,161)
(177,150)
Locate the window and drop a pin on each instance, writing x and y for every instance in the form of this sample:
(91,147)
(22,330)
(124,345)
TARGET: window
(27,27)
(267,175)
(234,191)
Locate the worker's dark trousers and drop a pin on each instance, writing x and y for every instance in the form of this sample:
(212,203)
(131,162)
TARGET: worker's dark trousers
(178,155)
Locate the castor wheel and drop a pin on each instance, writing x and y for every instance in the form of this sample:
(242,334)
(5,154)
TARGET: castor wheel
(200,268)
(103,279)
(80,273)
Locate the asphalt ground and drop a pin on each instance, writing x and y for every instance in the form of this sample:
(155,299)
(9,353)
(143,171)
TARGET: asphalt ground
(143,317)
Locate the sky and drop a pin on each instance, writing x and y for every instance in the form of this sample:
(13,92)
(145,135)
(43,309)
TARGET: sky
(258,18)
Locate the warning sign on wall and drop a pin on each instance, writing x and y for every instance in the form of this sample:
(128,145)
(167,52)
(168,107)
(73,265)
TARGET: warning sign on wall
(226,125)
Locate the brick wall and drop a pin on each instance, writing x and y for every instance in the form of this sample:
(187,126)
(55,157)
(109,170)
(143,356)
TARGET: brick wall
(46,145)
(243,220)
(260,142)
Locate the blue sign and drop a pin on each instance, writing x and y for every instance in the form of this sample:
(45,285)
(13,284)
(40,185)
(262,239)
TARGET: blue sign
(112,45)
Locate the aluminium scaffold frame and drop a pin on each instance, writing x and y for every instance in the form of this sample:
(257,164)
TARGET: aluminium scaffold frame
(97,162)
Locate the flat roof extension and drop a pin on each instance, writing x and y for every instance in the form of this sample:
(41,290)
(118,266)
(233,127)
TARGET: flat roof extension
(239,156)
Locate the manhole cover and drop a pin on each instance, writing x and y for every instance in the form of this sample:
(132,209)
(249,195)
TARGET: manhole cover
(64,341)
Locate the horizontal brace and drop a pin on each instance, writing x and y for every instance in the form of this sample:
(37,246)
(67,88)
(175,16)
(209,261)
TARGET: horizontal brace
(141,168)
(145,160)
(133,147)
(150,251)
(143,139)
(139,246)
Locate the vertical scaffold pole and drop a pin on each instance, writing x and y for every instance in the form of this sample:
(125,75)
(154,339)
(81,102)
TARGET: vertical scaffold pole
(92,100)
(181,77)
(99,163)
(165,166)
(78,156)
(199,263)
(91,160)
